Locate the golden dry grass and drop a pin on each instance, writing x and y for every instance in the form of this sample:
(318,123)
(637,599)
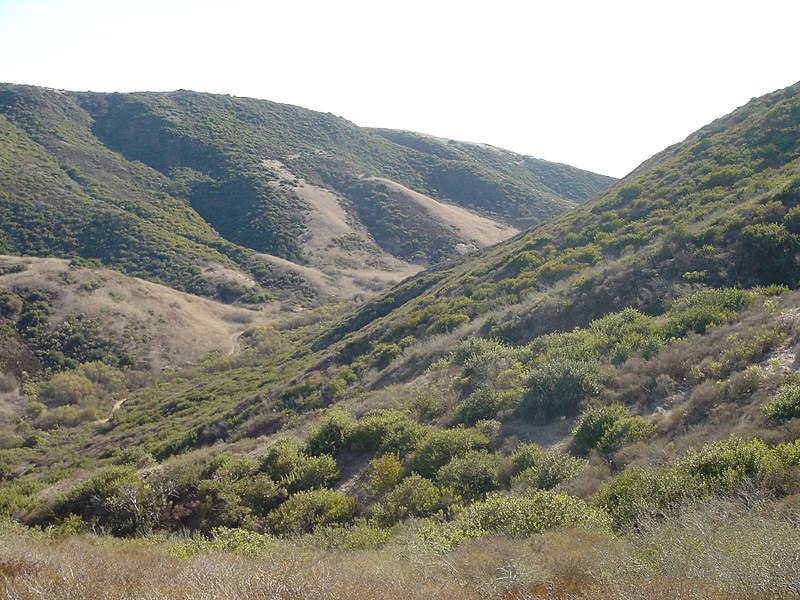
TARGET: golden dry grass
(178,327)
(723,550)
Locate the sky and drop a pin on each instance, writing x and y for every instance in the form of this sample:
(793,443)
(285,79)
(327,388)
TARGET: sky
(601,85)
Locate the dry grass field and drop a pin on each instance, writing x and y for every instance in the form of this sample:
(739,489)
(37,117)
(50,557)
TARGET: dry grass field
(726,550)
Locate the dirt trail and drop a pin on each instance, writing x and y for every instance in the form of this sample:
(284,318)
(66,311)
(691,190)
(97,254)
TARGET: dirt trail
(236,345)
(114,409)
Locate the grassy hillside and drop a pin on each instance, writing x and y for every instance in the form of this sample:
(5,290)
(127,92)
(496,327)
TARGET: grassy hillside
(166,185)
(623,377)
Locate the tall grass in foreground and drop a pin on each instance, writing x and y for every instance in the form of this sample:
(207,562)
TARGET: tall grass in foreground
(721,550)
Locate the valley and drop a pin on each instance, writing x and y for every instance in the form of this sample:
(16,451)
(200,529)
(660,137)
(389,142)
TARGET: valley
(316,360)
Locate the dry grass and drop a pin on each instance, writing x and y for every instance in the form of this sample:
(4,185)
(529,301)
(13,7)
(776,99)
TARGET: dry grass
(178,328)
(362,268)
(471,226)
(723,550)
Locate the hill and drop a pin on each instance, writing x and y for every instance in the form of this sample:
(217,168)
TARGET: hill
(606,402)
(213,194)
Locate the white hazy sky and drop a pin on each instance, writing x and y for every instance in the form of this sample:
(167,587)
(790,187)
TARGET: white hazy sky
(599,84)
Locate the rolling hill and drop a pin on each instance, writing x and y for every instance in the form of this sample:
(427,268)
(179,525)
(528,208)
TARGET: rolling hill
(607,401)
(242,200)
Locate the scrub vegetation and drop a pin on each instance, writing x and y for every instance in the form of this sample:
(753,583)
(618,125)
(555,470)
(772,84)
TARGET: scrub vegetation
(606,405)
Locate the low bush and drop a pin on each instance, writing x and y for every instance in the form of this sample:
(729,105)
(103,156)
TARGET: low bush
(287,463)
(306,511)
(113,500)
(556,387)
(470,476)
(534,467)
(387,431)
(531,513)
(333,434)
(640,494)
(314,472)
(785,404)
(384,473)
(440,446)
(283,457)
(606,428)
(484,404)
(69,387)
(415,496)
(701,310)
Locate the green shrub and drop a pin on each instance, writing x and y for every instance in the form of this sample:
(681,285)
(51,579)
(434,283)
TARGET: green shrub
(534,467)
(606,428)
(415,496)
(388,431)
(630,192)
(333,434)
(384,473)
(231,467)
(785,405)
(485,404)
(69,387)
(556,387)
(639,494)
(314,472)
(427,406)
(134,456)
(219,505)
(15,498)
(385,354)
(109,379)
(283,457)
(260,493)
(717,468)
(359,535)
(115,499)
(471,475)
(440,446)
(697,312)
(481,361)
(532,513)
(306,511)
(724,466)
(626,332)
(769,250)
(66,416)
(791,220)
(287,464)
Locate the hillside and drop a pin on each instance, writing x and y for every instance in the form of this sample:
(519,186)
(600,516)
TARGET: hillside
(604,404)
(213,194)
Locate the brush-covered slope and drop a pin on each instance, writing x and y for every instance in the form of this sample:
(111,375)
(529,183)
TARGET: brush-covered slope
(563,180)
(718,209)
(631,366)
(184,188)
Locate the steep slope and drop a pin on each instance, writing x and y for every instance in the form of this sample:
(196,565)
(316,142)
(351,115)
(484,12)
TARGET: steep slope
(717,209)
(166,185)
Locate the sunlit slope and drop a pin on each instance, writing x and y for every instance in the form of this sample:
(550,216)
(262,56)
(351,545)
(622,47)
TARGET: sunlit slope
(168,185)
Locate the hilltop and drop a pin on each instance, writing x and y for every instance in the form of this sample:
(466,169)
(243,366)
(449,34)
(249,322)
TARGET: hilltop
(247,200)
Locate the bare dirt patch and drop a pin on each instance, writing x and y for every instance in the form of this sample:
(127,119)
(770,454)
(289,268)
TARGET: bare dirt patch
(343,259)
(480,230)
